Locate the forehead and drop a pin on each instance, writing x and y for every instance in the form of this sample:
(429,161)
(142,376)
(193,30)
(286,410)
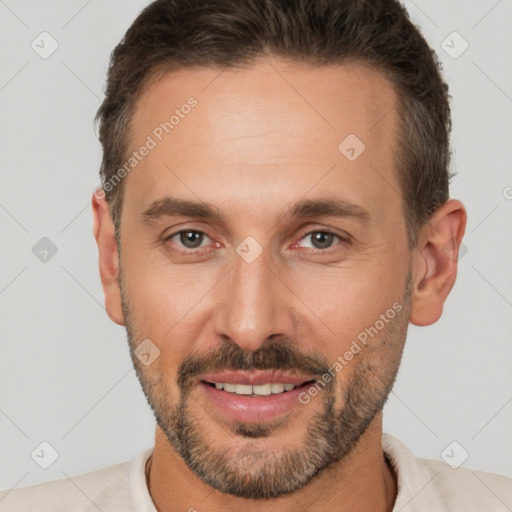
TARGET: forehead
(282,128)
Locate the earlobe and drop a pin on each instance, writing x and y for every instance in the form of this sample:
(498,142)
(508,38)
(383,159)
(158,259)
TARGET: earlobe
(104,233)
(435,262)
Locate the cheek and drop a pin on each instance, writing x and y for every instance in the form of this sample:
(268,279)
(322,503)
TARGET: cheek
(159,291)
(169,305)
(345,301)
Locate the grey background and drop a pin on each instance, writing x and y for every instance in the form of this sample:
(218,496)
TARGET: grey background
(65,373)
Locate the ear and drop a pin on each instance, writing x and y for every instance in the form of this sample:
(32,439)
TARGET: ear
(104,234)
(435,262)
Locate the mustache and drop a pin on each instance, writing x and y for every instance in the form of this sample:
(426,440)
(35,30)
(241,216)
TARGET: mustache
(273,355)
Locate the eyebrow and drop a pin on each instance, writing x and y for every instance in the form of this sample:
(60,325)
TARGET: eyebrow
(305,208)
(329,207)
(173,207)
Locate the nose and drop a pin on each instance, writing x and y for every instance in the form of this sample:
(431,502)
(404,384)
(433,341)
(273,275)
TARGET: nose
(255,305)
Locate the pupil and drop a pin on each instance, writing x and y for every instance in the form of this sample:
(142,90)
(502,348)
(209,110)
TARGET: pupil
(321,240)
(191,239)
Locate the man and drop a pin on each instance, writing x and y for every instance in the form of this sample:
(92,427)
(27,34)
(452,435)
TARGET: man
(274,212)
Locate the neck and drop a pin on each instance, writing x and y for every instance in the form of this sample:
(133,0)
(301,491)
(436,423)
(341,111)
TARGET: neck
(362,481)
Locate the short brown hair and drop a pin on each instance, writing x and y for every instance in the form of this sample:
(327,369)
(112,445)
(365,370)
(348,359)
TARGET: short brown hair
(169,34)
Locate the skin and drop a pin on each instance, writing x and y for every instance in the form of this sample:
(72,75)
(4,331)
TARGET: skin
(260,139)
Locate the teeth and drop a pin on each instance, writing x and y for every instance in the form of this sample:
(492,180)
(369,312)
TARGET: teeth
(277,388)
(262,389)
(243,389)
(273,388)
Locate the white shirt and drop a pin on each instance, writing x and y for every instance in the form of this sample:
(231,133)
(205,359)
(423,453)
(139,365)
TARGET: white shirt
(423,486)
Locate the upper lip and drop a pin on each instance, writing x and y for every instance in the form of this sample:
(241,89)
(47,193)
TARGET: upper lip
(256,377)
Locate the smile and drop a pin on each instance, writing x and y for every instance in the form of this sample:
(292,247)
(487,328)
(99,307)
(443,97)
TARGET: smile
(257,396)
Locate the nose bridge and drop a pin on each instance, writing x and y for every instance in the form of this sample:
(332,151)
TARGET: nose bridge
(254,307)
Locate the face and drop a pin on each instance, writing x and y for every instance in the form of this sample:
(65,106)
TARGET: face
(268,266)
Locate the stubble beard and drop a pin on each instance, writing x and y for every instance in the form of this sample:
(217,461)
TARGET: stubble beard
(252,471)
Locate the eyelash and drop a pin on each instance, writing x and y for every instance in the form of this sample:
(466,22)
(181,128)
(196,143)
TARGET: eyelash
(203,250)
(329,250)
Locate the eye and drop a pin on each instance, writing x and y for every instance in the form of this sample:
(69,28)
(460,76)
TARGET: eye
(189,238)
(319,240)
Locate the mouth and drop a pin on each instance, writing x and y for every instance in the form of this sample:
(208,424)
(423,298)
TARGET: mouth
(254,397)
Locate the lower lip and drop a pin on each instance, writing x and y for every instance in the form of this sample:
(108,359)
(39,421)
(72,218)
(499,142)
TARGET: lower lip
(252,409)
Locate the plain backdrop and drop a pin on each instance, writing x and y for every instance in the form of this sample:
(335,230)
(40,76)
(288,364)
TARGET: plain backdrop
(65,373)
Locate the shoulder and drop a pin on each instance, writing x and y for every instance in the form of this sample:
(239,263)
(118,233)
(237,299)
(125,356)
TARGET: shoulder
(104,489)
(467,489)
(425,484)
